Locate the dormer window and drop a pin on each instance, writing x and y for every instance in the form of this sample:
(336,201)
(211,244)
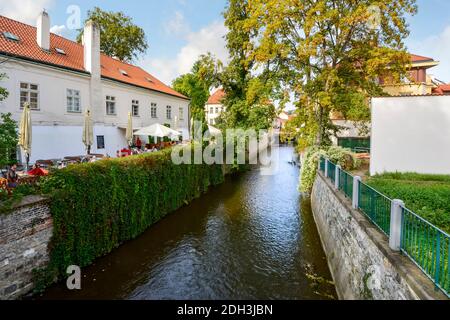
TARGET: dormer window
(123,72)
(60,51)
(149,80)
(11,36)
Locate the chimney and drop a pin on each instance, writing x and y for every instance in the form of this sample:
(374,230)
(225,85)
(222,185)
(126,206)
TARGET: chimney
(43,31)
(91,43)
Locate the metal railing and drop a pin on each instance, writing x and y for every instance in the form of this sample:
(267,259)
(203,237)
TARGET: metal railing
(346,183)
(428,247)
(376,206)
(425,244)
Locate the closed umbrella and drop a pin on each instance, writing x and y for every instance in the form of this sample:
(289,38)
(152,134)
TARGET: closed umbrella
(129,131)
(88,132)
(25,132)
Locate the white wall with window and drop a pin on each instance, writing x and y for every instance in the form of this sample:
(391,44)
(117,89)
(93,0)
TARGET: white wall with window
(59,98)
(135,108)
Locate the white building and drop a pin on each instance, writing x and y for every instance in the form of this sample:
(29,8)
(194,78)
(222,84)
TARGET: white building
(214,107)
(61,79)
(411,134)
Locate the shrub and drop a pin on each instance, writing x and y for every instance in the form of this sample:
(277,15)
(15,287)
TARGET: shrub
(98,206)
(344,157)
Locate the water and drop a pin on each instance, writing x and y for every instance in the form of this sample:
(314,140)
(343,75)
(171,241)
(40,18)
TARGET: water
(252,237)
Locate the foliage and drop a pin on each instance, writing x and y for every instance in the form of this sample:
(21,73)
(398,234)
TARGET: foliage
(98,206)
(249,91)
(344,157)
(426,195)
(3,92)
(328,55)
(8,140)
(197,84)
(119,36)
(8,201)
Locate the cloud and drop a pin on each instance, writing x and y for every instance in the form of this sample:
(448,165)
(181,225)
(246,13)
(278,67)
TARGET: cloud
(438,48)
(24,10)
(208,39)
(59,30)
(177,25)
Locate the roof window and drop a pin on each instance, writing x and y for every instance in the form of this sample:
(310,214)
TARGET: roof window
(60,51)
(123,72)
(11,36)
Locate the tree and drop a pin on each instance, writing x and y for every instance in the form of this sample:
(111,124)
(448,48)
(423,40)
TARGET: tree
(197,84)
(249,92)
(120,37)
(8,133)
(330,54)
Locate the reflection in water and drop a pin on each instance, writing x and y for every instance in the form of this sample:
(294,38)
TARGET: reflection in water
(251,238)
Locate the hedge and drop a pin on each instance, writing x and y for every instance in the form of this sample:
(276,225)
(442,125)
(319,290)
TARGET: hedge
(96,207)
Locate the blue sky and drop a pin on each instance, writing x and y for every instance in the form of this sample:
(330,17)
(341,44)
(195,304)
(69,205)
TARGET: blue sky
(180,30)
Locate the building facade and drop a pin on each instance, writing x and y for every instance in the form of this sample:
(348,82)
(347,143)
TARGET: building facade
(214,107)
(61,80)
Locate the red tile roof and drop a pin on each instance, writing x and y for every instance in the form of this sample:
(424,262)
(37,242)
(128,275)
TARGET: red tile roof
(416,58)
(27,48)
(442,89)
(216,97)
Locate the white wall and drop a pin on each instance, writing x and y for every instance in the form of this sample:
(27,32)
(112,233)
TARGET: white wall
(57,133)
(411,134)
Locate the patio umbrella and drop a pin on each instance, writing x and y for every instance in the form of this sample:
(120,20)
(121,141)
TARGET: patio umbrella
(129,131)
(25,132)
(157,130)
(88,132)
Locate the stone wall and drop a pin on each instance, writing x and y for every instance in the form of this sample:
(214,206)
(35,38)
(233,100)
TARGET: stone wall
(24,235)
(361,262)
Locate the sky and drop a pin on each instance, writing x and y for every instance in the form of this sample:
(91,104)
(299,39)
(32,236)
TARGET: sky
(178,31)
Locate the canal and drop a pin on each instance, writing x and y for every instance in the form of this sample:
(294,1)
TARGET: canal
(252,237)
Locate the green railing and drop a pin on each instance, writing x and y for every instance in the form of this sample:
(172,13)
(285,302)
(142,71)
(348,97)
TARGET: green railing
(428,247)
(322,164)
(376,206)
(346,183)
(331,171)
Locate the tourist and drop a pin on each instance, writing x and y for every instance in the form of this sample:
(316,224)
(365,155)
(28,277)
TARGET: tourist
(12,177)
(139,143)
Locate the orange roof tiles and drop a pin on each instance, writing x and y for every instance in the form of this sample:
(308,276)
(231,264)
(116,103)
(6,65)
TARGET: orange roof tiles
(27,48)
(216,97)
(416,58)
(442,89)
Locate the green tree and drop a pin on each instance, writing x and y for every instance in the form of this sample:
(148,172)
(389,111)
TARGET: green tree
(8,133)
(330,54)
(249,87)
(197,84)
(120,37)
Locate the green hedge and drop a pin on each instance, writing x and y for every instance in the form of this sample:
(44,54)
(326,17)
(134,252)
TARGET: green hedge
(98,206)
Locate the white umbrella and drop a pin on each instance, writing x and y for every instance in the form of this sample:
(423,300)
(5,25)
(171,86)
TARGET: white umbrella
(157,130)
(25,132)
(88,132)
(129,131)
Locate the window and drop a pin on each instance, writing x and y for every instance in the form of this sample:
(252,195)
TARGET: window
(135,108)
(217,109)
(60,51)
(153,111)
(211,121)
(29,93)
(73,101)
(211,110)
(110,106)
(11,36)
(123,72)
(100,142)
(169,112)
(181,115)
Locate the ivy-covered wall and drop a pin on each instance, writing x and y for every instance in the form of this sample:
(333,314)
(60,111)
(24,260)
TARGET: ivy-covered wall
(98,206)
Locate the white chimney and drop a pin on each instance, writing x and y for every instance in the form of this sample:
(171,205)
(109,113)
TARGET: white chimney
(43,31)
(91,42)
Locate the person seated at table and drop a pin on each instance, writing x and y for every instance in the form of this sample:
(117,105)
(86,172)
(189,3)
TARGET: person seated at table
(138,143)
(12,176)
